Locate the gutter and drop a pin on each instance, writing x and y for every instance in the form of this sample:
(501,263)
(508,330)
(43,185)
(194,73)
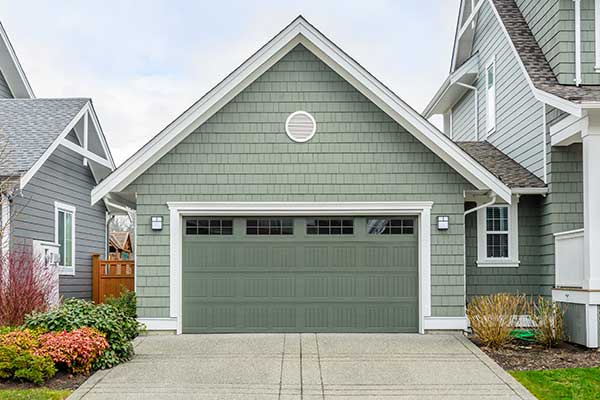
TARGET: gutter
(490,203)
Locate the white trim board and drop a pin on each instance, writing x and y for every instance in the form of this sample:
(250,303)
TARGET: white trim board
(178,210)
(86,110)
(12,70)
(300,32)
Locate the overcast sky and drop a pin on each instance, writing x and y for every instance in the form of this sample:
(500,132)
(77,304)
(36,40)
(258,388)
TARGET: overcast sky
(144,62)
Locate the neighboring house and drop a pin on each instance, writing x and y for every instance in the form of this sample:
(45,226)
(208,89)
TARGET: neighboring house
(119,246)
(54,153)
(523,93)
(302,195)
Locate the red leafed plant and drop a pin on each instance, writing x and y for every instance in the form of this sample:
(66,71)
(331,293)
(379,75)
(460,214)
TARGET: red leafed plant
(25,286)
(76,351)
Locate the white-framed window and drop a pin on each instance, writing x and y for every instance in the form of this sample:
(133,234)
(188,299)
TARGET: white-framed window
(64,236)
(498,236)
(490,96)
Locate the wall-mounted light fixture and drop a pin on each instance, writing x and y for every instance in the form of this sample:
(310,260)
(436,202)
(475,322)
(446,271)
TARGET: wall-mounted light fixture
(443,222)
(156,223)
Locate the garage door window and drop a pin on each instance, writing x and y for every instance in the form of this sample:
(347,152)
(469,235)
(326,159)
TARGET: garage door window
(210,227)
(270,227)
(330,226)
(387,226)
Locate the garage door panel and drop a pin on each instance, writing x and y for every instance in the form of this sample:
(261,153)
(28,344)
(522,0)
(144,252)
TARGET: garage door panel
(300,283)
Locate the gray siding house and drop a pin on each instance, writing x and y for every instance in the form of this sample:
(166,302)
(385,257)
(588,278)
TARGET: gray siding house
(302,195)
(523,87)
(53,154)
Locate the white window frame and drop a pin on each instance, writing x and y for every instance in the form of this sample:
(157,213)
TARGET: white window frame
(490,98)
(512,261)
(65,270)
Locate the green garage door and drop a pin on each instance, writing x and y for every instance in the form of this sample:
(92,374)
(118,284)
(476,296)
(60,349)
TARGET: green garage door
(288,274)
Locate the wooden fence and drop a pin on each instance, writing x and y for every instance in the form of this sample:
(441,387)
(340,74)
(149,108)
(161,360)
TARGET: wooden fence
(110,276)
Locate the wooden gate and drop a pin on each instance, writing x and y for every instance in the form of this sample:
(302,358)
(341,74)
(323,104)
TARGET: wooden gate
(110,277)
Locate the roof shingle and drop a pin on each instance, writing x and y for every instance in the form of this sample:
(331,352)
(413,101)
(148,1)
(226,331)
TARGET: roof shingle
(533,57)
(513,174)
(29,126)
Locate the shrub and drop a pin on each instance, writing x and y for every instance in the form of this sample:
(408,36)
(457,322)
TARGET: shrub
(76,351)
(492,317)
(119,328)
(25,287)
(126,302)
(23,340)
(18,364)
(549,320)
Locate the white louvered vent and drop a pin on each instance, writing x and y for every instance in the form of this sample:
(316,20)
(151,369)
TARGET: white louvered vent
(300,126)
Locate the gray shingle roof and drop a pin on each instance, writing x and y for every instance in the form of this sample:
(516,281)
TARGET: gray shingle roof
(533,57)
(28,128)
(513,174)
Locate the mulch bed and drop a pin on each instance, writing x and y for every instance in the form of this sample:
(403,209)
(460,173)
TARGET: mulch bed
(523,356)
(60,381)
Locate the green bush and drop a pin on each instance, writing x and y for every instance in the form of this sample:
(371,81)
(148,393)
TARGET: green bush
(119,328)
(126,302)
(18,364)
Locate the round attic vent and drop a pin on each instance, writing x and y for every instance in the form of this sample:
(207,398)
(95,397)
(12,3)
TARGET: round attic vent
(300,126)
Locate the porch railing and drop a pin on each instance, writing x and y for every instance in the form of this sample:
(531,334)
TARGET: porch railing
(569,259)
(109,277)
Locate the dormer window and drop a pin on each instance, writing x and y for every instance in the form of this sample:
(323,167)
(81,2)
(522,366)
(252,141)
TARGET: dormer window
(490,85)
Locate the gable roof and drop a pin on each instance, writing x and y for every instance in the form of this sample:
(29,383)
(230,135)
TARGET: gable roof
(533,58)
(120,240)
(29,126)
(300,32)
(513,174)
(11,69)
(533,64)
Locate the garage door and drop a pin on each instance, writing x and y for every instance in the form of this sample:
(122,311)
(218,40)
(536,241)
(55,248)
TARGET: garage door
(289,274)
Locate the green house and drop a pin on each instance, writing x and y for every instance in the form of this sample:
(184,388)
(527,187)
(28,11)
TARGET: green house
(302,195)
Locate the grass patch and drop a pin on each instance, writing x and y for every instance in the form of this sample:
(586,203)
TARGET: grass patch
(34,394)
(562,384)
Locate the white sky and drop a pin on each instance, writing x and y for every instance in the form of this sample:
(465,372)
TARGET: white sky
(144,62)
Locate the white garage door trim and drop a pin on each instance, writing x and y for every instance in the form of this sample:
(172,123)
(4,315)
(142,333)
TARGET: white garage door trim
(178,210)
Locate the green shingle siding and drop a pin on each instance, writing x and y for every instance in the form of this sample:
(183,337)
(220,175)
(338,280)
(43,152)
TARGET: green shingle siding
(552,23)
(243,154)
(530,277)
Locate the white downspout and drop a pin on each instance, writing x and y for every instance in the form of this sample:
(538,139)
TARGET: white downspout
(490,203)
(476,95)
(544,144)
(577,42)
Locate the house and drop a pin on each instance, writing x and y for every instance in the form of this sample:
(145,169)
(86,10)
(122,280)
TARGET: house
(302,195)
(119,246)
(523,89)
(53,153)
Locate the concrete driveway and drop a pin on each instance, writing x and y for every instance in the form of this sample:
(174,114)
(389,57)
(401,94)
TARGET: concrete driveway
(304,366)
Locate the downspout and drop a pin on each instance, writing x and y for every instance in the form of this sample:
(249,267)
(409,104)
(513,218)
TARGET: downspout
(476,95)
(490,203)
(577,42)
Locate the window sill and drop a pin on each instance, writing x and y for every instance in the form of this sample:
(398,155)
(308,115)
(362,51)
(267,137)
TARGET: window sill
(491,263)
(68,271)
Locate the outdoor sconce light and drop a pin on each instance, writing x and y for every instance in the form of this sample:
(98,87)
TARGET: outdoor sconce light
(156,223)
(443,223)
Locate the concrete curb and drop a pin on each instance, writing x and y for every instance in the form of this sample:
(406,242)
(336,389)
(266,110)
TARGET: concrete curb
(507,378)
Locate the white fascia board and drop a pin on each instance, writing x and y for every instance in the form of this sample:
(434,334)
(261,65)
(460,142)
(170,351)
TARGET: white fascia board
(568,130)
(13,72)
(448,97)
(300,31)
